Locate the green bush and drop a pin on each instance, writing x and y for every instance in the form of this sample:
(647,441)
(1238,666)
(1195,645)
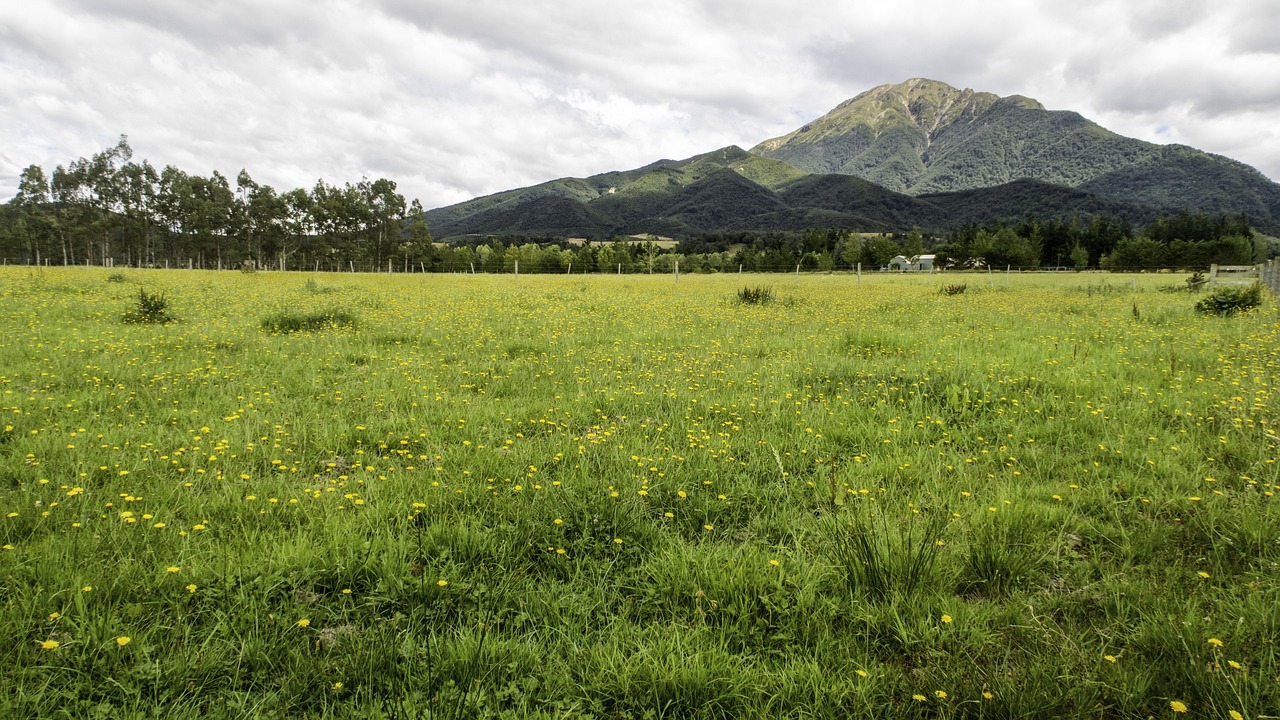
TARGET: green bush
(150,308)
(1231,299)
(762,295)
(116,277)
(292,322)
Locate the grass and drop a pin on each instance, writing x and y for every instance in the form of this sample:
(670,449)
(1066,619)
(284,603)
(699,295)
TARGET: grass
(626,497)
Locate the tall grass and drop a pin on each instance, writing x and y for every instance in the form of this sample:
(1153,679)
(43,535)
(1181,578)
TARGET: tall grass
(618,497)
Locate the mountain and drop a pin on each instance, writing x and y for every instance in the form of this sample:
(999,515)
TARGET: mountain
(916,154)
(923,136)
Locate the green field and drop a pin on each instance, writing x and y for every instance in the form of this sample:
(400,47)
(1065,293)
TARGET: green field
(627,497)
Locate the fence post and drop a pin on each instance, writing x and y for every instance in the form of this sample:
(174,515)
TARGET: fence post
(677,271)
(619,269)
(797,271)
(859,274)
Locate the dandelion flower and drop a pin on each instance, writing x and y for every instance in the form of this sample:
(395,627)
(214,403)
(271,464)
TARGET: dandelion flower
(86,588)
(172,569)
(304,622)
(1203,574)
(1178,706)
(946,619)
(1234,665)
(442,582)
(48,644)
(860,673)
(774,563)
(191,588)
(1235,715)
(54,615)
(337,686)
(708,527)
(940,694)
(1215,642)
(123,640)
(1109,658)
(918,697)
(986,695)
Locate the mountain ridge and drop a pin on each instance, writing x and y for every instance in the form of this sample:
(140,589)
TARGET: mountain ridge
(930,155)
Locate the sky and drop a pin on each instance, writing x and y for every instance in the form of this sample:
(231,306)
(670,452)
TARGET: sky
(454,100)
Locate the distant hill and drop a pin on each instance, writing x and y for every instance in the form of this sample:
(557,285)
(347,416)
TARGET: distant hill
(917,154)
(923,136)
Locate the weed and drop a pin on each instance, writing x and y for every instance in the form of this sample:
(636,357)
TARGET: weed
(759,295)
(149,308)
(116,277)
(883,559)
(1230,300)
(287,321)
(953,289)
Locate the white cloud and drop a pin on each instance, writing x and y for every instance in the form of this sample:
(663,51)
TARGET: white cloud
(454,100)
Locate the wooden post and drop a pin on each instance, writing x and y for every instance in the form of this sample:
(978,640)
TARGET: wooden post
(351,264)
(569,271)
(677,271)
(797,271)
(859,274)
(473,268)
(739,271)
(619,269)
(1006,274)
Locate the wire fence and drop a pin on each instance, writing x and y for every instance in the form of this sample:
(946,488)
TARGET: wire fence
(1268,273)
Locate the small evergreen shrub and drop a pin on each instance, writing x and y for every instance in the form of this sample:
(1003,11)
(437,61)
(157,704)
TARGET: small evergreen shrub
(950,290)
(1229,300)
(762,295)
(150,308)
(116,277)
(293,322)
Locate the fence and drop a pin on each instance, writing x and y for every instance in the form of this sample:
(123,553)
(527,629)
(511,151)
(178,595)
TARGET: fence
(1267,273)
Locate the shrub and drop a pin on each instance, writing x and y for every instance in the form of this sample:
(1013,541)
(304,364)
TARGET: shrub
(762,295)
(150,308)
(292,322)
(1231,299)
(954,289)
(116,277)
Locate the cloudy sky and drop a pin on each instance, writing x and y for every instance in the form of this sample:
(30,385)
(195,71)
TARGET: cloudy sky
(458,99)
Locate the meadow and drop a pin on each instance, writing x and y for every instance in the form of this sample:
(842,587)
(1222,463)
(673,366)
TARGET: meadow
(416,496)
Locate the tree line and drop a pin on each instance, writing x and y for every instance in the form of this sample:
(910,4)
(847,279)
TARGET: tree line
(108,209)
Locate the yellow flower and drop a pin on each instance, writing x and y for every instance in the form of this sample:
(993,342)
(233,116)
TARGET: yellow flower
(48,644)
(86,588)
(774,563)
(304,622)
(191,588)
(946,619)
(986,695)
(1178,706)
(1234,665)
(54,615)
(337,686)
(1109,658)
(860,673)
(708,527)
(941,695)
(918,697)
(1203,574)
(1215,642)
(617,541)
(1235,715)
(123,640)
(172,569)
(442,582)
